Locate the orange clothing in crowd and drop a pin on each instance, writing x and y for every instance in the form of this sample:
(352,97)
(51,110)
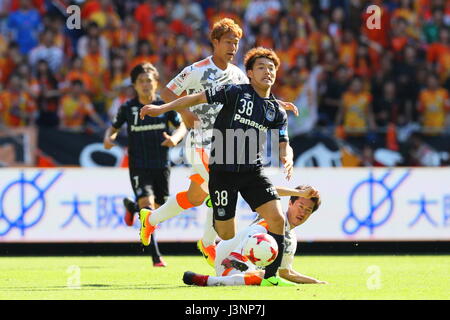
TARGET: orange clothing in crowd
(398,43)
(82,76)
(73,110)
(144,15)
(355,111)
(433,105)
(266,42)
(287,56)
(95,65)
(92,10)
(16,108)
(114,81)
(440,53)
(38,4)
(347,53)
(289,93)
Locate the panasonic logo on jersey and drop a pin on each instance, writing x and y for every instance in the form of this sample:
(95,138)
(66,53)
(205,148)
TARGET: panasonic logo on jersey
(251,123)
(148,127)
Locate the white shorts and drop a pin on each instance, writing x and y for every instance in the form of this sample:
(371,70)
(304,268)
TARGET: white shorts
(198,158)
(226,248)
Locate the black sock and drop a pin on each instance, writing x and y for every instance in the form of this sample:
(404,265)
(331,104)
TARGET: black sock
(136,207)
(271,269)
(154,249)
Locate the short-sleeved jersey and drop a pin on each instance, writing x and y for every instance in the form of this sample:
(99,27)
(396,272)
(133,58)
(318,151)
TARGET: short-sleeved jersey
(13,107)
(433,106)
(73,111)
(355,111)
(199,77)
(243,124)
(145,136)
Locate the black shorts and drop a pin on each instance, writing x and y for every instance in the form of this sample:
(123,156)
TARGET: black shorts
(254,187)
(150,182)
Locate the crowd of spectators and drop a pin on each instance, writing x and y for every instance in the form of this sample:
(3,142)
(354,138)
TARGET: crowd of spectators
(368,80)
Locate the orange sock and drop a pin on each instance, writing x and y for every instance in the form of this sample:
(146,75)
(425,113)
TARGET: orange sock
(183,200)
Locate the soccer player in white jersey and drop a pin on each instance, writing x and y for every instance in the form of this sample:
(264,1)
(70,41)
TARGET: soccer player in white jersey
(234,269)
(215,70)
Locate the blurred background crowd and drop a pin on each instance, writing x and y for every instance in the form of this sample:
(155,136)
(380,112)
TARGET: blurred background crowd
(367,96)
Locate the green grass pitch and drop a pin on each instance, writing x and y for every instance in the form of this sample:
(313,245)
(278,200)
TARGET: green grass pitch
(349,277)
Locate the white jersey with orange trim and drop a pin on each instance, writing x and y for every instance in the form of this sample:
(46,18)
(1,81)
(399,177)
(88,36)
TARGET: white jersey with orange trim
(199,77)
(226,247)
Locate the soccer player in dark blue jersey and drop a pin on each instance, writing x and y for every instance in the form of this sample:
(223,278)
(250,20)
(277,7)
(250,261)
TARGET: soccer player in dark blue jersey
(249,111)
(148,146)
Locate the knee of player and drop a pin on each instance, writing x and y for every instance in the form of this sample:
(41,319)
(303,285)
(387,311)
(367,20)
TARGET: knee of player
(196,196)
(225,234)
(195,199)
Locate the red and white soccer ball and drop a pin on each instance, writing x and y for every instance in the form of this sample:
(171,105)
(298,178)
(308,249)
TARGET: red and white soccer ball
(261,249)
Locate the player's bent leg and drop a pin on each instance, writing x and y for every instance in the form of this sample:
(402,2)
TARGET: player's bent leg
(209,233)
(196,195)
(131,208)
(272,213)
(235,278)
(225,229)
(171,208)
(207,244)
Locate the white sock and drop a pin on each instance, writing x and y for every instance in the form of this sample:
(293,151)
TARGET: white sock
(209,233)
(168,210)
(233,280)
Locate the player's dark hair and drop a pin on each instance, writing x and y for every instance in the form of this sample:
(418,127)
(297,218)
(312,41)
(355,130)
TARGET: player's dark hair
(260,52)
(316,200)
(145,67)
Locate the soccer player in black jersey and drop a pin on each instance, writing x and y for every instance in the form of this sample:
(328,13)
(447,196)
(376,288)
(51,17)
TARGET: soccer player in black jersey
(148,145)
(249,111)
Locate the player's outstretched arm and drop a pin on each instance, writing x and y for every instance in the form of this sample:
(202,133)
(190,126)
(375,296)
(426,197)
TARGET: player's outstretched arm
(287,158)
(297,277)
(176,105)
(306,192)
(189,117)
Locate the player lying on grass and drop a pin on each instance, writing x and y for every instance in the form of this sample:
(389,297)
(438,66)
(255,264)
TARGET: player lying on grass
(249,113)
(234,269)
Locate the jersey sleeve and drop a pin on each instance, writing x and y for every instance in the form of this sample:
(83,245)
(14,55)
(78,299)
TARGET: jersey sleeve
(281,124)
(221,94)
(287,261)
(120,118)
(182,81)
(174,118)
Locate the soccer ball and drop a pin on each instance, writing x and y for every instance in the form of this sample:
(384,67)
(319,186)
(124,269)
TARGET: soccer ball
(261,249)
